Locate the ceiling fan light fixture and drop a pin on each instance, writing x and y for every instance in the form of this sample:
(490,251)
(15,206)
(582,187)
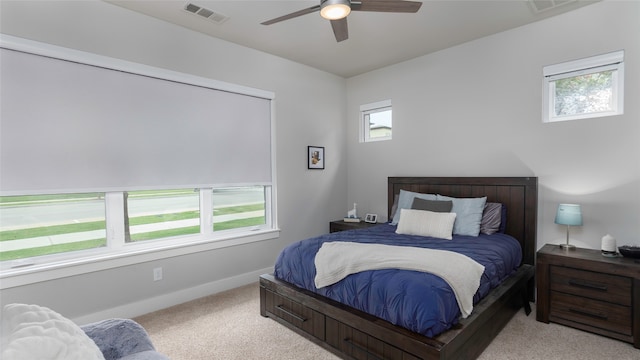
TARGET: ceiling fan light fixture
(335,9)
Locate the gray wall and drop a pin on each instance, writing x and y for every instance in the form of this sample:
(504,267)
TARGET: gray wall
(475,110)
(307,199)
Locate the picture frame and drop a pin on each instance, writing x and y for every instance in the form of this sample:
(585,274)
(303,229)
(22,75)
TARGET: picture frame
(371,218)
(315,157)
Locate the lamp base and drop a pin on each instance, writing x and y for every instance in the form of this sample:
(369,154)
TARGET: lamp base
(567,247)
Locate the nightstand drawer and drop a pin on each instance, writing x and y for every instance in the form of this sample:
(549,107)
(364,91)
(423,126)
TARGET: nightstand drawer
(593,313)
(610,288)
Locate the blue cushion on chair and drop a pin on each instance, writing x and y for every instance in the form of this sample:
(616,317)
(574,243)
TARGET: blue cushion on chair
(122,339)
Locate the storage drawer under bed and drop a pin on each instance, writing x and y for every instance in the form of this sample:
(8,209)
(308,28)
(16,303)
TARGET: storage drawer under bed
(340,336)
(360,345)
(296,314)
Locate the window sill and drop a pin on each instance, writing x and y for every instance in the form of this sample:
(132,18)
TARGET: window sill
(104,259)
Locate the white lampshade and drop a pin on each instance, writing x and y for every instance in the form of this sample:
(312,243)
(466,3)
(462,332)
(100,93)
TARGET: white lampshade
(569,214)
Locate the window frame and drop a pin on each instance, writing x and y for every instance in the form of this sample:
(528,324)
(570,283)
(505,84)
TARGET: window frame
(611,61)
(119,253)
(365,126)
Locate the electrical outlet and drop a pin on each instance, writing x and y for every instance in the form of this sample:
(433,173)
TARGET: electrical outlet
(157,274)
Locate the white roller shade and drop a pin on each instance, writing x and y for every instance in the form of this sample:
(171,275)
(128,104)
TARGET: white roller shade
(70,127)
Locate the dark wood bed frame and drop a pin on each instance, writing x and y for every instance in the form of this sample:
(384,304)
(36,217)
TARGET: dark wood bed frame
(352,334)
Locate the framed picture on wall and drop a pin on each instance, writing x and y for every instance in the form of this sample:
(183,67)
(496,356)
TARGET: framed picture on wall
(315,157)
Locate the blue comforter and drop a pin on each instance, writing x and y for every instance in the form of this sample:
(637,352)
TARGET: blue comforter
(420,302)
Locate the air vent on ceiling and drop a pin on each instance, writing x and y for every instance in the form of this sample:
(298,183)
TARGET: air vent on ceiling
(545,5)
(206,13)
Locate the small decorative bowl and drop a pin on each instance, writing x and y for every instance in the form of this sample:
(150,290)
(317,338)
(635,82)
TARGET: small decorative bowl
(630,251)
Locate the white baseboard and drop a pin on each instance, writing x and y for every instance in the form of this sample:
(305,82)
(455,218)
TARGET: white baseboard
(146,306)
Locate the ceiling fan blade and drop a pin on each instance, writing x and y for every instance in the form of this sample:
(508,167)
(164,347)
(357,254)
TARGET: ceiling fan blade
(292,15)
(340,29)
(386,6)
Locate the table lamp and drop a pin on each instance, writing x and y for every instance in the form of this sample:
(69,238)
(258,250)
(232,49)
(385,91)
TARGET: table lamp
(570,215)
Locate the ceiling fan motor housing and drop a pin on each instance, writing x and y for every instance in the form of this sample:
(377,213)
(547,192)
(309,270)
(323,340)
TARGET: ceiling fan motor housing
(335,9)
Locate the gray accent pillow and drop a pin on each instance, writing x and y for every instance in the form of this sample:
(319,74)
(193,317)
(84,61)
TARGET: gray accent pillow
(491,218)
(405,200)
(469,214)
(432,205)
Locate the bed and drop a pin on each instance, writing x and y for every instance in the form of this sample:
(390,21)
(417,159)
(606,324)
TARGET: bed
(353,332)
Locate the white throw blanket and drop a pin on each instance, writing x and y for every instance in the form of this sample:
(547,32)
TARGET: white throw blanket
(336,260)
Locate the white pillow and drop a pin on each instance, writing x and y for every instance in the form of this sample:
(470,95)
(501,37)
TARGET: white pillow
(426,223)
(36,332)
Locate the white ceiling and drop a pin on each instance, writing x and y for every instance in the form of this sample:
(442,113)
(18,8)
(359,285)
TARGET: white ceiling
(375,39)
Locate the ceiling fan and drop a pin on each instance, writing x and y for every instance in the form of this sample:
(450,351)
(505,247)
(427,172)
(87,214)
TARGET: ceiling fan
(337,10)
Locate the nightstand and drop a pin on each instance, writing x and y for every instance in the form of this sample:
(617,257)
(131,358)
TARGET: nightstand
(341,225)
(585,290)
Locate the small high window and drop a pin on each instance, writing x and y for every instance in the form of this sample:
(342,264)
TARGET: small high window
(585,88)
(375,121)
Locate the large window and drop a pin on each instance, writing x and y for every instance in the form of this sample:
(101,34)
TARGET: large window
(376,121)
(586,88)
(103,159)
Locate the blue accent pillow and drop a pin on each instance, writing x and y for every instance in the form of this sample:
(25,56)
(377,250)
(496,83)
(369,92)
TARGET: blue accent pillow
(469,214)
(405,201)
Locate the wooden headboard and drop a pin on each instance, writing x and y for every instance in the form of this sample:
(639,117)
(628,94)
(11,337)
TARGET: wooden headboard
(519,194)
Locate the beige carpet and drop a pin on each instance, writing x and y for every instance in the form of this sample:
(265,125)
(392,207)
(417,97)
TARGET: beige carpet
(229,326)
